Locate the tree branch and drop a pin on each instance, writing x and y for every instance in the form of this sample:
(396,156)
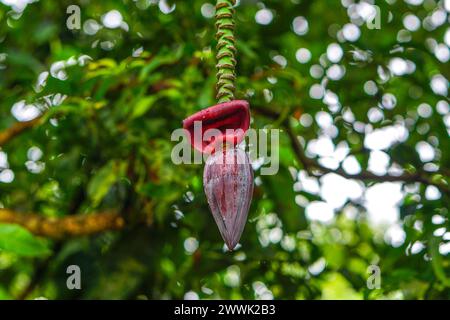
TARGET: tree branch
(20,127)
(310,164)
(16,129)
(69,226)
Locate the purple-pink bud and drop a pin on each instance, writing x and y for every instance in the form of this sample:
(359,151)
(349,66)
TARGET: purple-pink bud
(228,184)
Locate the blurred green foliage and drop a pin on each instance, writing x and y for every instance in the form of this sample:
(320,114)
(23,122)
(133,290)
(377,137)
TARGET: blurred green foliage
(109,108)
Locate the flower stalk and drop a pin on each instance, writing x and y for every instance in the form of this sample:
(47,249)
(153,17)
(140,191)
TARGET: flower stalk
(226,50)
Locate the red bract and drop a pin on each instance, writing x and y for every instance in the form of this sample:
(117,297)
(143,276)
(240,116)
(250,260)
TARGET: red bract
(228,175)
(231,119)
(228,184)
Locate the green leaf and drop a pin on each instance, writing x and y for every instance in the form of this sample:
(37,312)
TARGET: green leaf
(18,240)
(165,57)
(104,179)
(143,105)
(4,295)
(437,263)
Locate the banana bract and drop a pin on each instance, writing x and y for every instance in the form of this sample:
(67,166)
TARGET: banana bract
(227,122)
(228,175)
(228,185)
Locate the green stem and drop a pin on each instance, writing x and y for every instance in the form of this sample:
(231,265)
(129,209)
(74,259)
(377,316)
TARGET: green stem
(437,263)
(226,61)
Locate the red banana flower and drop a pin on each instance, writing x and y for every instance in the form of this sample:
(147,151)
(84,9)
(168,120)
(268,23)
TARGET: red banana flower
(228,175)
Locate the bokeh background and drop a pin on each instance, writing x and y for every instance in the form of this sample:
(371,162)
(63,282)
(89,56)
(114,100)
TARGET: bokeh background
(86,176)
